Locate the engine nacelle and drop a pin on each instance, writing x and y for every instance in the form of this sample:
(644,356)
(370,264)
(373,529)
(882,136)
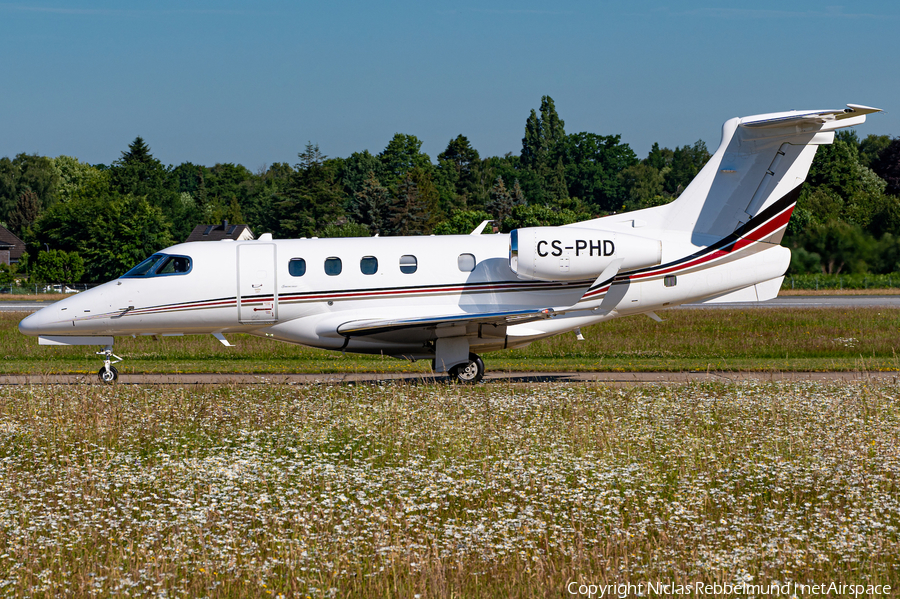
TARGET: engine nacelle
(574,254)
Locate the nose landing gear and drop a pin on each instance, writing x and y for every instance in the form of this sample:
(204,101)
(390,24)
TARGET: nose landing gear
(108,373)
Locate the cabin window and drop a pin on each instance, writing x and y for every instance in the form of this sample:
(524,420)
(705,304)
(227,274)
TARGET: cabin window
(670,281)
(174,265)
(368,265)
(144,268)
(466,262)
(297,267)
(408,264)
(332,266)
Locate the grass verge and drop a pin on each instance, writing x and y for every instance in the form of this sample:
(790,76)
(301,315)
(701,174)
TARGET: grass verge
(764,340)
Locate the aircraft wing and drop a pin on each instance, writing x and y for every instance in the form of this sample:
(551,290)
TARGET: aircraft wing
(375,327)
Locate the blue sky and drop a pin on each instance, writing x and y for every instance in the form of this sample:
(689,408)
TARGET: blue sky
(251,83)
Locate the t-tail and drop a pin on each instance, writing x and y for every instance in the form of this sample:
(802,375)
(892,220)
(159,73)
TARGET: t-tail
(751,184)
(718,241)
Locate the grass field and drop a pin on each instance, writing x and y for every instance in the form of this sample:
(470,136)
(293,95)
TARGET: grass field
(443,491)
(750,339)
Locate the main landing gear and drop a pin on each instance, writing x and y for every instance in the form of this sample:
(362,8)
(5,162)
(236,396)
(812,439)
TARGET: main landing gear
(108,373)
(468,372)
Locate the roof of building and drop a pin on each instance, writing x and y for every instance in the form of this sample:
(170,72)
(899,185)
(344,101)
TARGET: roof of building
(219,232)
(9,241)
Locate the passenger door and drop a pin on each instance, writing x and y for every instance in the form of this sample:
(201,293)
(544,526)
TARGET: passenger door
(257,286)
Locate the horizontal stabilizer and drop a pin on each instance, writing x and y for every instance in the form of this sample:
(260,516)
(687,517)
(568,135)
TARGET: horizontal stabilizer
(807,116)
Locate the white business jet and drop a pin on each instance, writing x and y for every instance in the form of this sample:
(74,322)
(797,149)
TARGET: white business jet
(444,298)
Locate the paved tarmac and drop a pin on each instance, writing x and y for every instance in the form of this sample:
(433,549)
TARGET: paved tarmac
(807,301)
(16,306)
(491,378)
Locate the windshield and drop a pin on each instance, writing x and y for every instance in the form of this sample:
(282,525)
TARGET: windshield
(159,265)
(174,265)
(144,268)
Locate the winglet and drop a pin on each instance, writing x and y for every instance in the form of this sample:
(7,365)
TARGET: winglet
(605,279)
(593,297)
(480,227)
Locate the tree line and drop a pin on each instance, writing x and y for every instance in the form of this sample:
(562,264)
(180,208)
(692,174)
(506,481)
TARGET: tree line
(93,222)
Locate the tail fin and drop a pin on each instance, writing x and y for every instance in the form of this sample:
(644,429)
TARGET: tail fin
(756,171)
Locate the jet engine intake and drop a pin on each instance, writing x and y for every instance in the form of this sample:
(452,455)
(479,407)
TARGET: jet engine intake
(574,254)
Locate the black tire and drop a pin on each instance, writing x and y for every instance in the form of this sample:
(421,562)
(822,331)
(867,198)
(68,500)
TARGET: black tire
(109,377)
(470,372)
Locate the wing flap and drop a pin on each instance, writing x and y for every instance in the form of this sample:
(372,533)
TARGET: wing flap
(359,328)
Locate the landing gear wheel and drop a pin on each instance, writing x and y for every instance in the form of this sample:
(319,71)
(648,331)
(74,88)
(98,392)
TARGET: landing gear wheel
(108,376)
(469,372)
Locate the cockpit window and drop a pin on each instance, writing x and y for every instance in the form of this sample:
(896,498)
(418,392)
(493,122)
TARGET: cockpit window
(174,265)
(145,268)
(160,265)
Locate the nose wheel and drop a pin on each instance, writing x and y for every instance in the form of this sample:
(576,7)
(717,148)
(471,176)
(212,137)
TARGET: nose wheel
(468,372)
(108,373)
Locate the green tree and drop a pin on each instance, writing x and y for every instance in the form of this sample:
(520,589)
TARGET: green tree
(73,174)
(659,158)
(501,203)
(836,167)
(371,205)
(887,166)
(517,195)
(686,163)
(264,195)
(643,187)
(348,229)
(592,166)
(7,274)
(463,222)
(841,247)
(867,202)
(26,172)
(27,210)
(886,217)
(540,153)
(402,155)
(413,208)
(510,168)
(541,135)
(457,172)
(356,171)
(110,231)
(822,204)
(871,147)
(541,216)
(58,267)
(139,173)
(313,199)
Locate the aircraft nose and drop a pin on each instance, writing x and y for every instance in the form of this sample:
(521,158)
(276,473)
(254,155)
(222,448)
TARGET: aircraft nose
(32,324)
(36,324)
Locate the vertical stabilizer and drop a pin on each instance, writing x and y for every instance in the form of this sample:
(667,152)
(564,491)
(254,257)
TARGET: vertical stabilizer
(757,170)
